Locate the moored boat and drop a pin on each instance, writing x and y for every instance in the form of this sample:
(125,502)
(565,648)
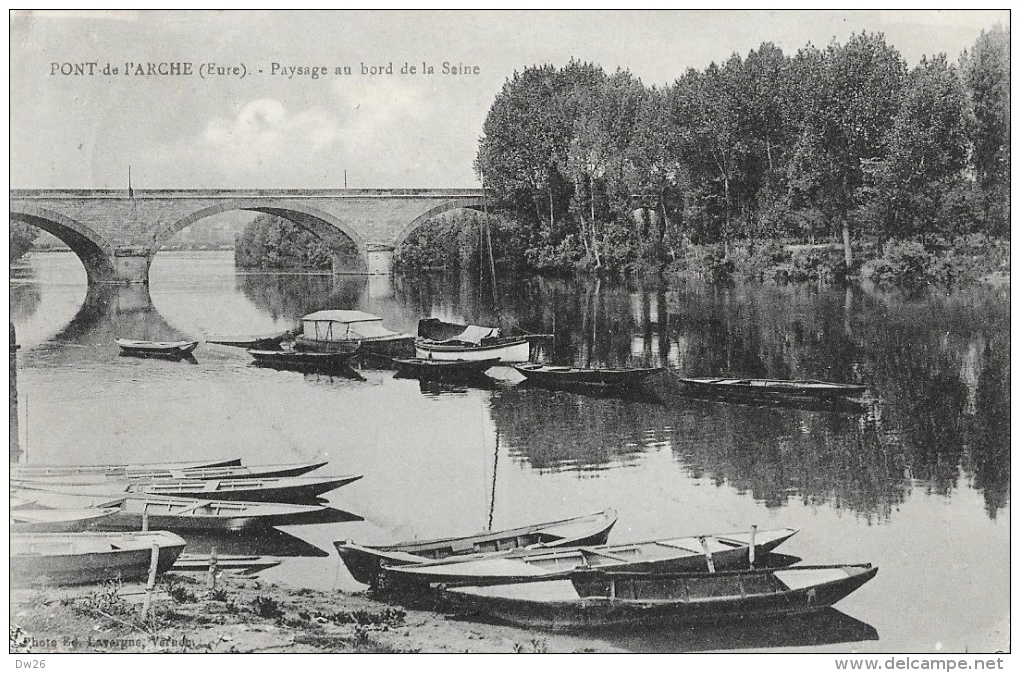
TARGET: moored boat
(305,361)
(331,330)
(596,598)
(267,489)
(193,514)
(39,470)
(88,557)
(748,387)
(156,348)
(683,554)
(258,342)
(441,341)
(552,376)
(365,562)
(58,520)
(428,368)
(226,472)
(244,564)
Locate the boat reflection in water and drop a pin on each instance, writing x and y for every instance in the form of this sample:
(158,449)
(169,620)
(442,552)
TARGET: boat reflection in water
(827,627)
(265,542)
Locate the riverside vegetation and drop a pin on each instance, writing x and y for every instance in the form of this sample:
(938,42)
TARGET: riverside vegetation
(825,165)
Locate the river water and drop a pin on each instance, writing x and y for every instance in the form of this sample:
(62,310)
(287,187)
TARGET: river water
(915,481)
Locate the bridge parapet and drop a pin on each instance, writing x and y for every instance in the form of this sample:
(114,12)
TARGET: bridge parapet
(116,234)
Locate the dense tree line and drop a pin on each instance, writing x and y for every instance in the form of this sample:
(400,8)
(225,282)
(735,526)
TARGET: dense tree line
(272,242)
(21,237)
(836,143)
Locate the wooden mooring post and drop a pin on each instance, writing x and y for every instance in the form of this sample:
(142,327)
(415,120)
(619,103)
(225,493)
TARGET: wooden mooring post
(150,584)
(708,555)
(210,581)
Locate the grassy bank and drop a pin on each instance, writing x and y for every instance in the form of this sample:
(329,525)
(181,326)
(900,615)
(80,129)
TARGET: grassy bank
(249,615)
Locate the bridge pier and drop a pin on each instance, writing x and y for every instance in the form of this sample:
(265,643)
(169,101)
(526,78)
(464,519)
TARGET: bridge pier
(130,265)
(380,260)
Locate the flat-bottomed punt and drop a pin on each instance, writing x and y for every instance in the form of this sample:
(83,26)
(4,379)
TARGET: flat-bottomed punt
(59,520)
(89,558)
(327,331)
(365,562)
(244,564)
(226,472)
(684,554)
(27,471)
(750,388)
(595,598)
(174,349)
(258,342)
(304,361)
(432,369)
(565,377)
(269,489)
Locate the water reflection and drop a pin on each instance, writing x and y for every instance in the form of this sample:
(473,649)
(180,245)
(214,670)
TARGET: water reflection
(829,627)
(938,368)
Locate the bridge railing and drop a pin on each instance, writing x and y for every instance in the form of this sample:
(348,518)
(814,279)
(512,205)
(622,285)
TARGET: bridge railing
(431,192)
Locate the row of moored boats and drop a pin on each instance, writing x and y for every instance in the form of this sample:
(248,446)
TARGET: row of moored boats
(88,524)
(329,339)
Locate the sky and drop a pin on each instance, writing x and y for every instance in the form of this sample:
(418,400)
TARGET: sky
(289,129)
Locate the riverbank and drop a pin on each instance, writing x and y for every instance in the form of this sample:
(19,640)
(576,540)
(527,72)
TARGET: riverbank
(248,615)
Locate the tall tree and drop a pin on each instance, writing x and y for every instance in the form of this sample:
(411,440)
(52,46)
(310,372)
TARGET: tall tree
(986,72)
(927,148)
(851,97)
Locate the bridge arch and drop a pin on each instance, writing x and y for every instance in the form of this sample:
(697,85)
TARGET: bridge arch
(466,202)
(94,251)
(333,231)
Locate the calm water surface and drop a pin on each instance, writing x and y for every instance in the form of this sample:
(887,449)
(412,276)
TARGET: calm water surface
(916,481)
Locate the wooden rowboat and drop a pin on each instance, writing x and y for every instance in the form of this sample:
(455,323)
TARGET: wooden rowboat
(590,599)
(303,361)
(365,562)
(58,520)
(685,554)
(229,472)
(268,489)
(257,342)
(744,388)
(176,349)
(181,514)
(556,377)
(240,563)
(427,368)
(88,558)
(35,470)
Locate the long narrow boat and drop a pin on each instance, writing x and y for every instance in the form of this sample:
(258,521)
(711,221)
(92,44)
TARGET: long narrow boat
(365,562)
(38,470)
(269,489)
(59,520)
(181,514)
(244,564)
(684,554)
(432,369)
(156,348)
(303,361)
(88,558)
(556,377)
(258,342)
(591,599)
(744,388)
(231,472)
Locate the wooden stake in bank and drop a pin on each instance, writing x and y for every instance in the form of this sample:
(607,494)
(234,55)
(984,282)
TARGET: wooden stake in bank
(210,581)
(151,583)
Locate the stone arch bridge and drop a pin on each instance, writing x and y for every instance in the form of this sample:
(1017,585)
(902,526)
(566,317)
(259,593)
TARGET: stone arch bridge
(116,234)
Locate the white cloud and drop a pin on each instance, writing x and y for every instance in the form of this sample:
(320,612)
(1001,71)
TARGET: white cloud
(264,132)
